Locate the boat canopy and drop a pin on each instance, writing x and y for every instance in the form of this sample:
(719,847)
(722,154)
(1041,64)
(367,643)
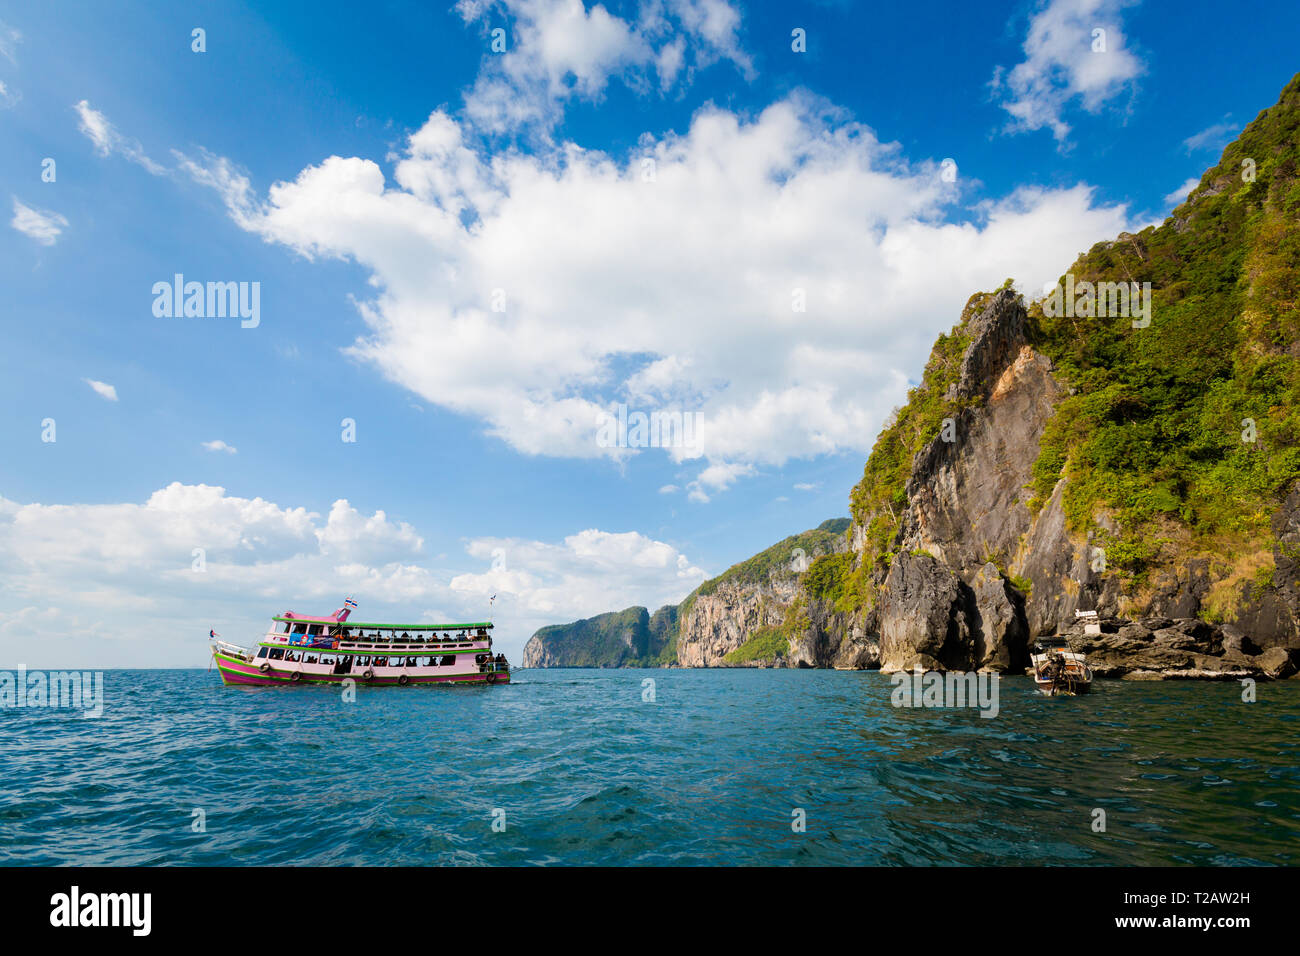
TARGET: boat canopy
(290,618)
(1046,642)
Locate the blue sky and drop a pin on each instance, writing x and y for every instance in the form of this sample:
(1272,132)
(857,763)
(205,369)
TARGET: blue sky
(464,252)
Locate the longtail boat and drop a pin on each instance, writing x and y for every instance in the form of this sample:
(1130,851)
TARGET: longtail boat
(299,649)
(1058,668)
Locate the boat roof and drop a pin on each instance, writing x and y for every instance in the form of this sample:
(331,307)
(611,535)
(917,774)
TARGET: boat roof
(295,619)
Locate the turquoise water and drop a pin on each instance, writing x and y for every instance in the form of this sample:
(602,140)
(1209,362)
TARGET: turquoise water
(709,772)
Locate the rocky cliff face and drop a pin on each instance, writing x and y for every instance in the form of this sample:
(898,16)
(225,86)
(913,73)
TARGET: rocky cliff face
(722,621)
(945,603)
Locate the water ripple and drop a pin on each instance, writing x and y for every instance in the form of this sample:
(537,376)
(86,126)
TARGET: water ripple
(713,771)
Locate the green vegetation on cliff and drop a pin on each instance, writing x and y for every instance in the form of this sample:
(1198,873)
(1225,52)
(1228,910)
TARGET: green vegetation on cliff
(1188,431)
(1157,429)
(765,644)
(779,557)
(628,638)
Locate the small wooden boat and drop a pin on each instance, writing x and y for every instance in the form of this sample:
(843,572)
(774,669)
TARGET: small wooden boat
(1058,669)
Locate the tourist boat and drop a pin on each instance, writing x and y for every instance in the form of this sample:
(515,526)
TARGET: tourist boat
(1058,669)
(330,650)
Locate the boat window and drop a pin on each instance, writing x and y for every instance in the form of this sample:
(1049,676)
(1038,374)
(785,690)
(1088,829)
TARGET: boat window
(315,629)
(326,660)
(262,652)
(381,661)
(277,654)
(449,660)
(300,629)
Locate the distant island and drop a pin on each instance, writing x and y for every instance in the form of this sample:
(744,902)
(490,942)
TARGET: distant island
(1129,444)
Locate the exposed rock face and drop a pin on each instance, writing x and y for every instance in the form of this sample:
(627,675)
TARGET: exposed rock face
(1000,628)
(925,618)
(720,622)
(835,639)
(1177,648)
(966,497)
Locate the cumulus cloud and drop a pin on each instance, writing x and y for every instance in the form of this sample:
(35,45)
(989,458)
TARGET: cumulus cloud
(102,389)
(96,127)
(114,584)
(40,224)
(557,50)
(219,445)
(1067,59)
(781,276)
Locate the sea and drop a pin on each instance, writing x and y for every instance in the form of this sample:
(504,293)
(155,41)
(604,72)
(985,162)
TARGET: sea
(652,768)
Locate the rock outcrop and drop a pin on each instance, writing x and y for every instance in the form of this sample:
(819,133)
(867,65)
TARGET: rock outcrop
(1162,648)
(925,616)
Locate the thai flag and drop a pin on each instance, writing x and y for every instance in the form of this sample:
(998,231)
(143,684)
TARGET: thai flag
(349,603)
(212,634)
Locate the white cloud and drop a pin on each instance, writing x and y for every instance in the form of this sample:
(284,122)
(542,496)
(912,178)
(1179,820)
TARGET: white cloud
(1176,197)
(588,573)
(115,584)
(562,49)
(675,293)
(8,97)
(668,489)
(806,486)
(1212,137)
(95,126)
(9,40)
(1062,64)
(102,389)
(220,174)
(40,224)
(219,445)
